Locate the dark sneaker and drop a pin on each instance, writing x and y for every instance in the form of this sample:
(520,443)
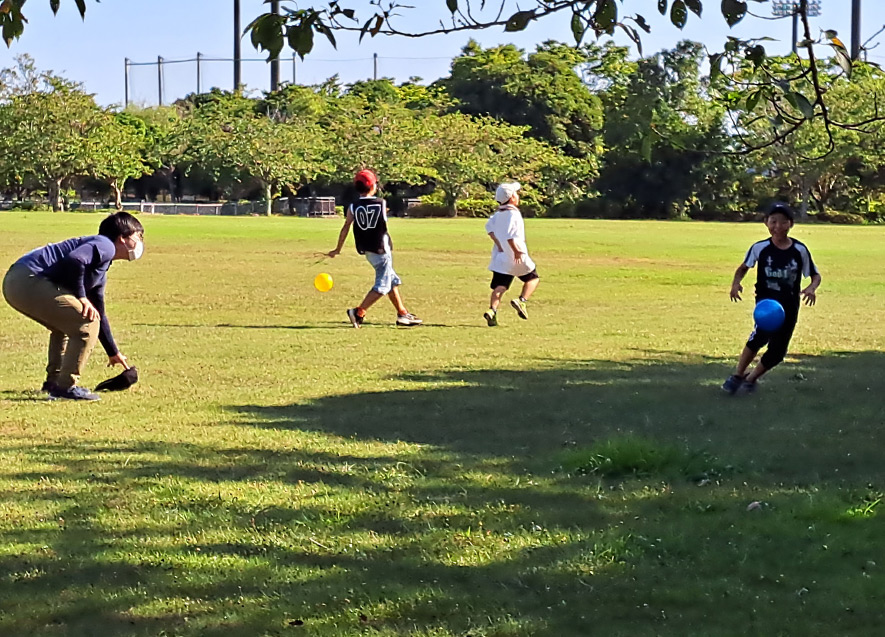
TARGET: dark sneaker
(408,320)
(519,306)
(732,384)
(747,387)
(355,319)
(491,317)
(73,393)
(48,386)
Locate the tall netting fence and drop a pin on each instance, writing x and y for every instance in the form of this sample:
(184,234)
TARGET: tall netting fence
(165,80)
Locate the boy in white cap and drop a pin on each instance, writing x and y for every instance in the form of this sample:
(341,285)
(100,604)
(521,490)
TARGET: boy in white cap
(510,257)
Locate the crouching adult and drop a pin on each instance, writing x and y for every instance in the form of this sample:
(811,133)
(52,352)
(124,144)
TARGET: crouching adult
(62,287)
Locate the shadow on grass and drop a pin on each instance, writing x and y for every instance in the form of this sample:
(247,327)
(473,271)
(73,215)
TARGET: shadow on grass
(328,325)
(809,420)
(475,531)
(324,326)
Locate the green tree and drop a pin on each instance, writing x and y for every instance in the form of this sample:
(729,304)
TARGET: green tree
(116,150)
(45,137)
(828,168)
(229,136)
(386,137)
(664,139)
(464,151)
(542,91)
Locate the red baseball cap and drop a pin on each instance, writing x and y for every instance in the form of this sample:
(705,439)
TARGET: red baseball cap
(365,178)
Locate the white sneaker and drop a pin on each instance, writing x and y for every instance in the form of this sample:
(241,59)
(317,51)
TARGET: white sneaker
(408,320)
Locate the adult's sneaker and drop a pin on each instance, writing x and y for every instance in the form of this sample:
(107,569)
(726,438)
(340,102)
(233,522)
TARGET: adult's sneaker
(48,386)
(732,384)
(355,319)
(520,307)
(73,393)
(491,317)
(408,320)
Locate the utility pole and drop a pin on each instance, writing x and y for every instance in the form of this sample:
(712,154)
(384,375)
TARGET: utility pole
(855,29)
(375,66)
(126,81)
(237,54)
(275,63)
(160,79)
(199,55)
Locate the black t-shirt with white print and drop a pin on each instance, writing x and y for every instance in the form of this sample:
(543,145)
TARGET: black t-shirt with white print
(779,273)
(370,225)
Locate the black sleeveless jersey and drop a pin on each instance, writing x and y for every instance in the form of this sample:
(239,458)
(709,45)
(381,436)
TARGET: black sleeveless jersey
(369,224)
(779,272)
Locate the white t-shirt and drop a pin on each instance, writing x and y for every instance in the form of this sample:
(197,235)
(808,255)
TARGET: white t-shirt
(506,224)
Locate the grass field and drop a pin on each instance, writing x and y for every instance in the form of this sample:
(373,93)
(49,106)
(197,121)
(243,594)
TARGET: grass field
(277,472)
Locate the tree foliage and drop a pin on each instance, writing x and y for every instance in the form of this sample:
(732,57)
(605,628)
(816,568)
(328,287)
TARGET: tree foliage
(231,137)
(541,90)
(47,137)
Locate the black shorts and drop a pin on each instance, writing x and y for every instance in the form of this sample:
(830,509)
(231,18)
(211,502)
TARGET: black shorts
(504,280)
(778,340)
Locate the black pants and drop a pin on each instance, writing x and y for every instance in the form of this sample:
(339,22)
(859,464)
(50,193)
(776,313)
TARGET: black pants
(778,340)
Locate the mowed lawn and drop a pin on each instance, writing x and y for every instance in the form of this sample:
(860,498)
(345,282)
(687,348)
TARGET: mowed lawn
(277,472)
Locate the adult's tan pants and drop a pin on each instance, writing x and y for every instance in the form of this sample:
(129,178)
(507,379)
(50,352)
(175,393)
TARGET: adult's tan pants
(71,336)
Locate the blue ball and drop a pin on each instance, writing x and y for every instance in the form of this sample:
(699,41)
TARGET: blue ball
(769,315)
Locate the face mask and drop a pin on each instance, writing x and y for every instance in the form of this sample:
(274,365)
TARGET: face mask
(137,251)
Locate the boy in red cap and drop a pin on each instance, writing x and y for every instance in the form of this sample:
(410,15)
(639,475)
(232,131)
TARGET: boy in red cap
(372,239)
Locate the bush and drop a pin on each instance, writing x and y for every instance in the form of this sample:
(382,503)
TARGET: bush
(39,206)
(429,210)
(845,218)
(476,207)
(705,214)
(596,208)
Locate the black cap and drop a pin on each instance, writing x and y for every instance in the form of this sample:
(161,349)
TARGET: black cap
(781,208)
(119,382)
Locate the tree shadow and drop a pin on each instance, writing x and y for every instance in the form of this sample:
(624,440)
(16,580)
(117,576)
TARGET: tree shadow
(798,425)
(476,530)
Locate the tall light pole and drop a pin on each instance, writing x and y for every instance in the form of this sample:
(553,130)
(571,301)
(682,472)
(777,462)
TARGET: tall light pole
(275,63)
(784,8)
(855,29)
(237,53)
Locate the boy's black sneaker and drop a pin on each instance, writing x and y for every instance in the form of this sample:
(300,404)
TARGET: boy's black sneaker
(355,319)
(48,386)
(747,387)
(73,393)
(732,384)
(408,319)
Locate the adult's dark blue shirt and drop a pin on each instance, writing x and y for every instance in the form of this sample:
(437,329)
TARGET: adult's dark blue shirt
(79,266)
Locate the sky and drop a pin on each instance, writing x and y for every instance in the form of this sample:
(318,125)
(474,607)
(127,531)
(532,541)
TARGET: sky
(92,51)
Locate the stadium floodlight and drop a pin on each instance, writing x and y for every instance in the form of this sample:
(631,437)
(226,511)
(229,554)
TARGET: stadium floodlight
(784,8)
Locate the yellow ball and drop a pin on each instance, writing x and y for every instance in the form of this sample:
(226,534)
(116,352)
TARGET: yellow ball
(323,282)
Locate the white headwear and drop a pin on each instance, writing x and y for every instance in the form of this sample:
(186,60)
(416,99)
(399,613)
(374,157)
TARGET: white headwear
(506,191)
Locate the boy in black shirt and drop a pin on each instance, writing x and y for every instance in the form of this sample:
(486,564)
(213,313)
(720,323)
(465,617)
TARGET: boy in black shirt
(371,238)
(782,264)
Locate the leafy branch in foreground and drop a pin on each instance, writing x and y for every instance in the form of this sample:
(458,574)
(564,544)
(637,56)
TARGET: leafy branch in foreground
(13,20)
(297,26)
(788,92)
(750,77)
